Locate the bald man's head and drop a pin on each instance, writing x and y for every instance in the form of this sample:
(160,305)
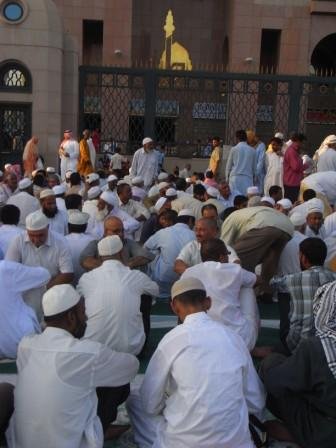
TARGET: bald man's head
(113,226)
(214,249)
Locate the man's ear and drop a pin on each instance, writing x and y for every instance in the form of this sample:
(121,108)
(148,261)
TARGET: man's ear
(174,305)
(207,303)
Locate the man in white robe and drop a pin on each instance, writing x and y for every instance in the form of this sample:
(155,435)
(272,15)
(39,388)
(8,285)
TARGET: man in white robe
(55,395)
(24,200)
(314,219)
(69,153)
(323,183)
(327,160)
(200,384)
(274,166)
(145,163)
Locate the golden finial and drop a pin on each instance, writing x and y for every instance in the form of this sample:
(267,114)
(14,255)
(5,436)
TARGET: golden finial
(169,26)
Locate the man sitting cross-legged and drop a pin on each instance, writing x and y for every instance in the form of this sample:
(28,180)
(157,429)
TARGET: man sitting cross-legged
(200,384)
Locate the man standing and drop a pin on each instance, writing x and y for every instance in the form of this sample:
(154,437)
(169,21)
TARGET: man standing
(293,168)
(38,246)
(145,163)
(84,166)
(58,368)
(217,160)
(8,187)
(112,295)
(24,200)
(69,153)
(241,165)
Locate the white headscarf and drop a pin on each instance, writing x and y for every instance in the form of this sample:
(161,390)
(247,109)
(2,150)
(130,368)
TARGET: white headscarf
(324,146)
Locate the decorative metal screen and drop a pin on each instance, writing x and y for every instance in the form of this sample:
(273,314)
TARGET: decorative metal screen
(15,128)
(182,110)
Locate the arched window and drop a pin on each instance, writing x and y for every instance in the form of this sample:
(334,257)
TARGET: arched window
(15,77)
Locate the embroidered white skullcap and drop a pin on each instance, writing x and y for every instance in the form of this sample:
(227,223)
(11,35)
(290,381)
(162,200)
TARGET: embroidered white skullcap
(186,212)
(112,178)
(146,140)
(110,245)
(185,285)
(163,185)
(279,135)
(46,193)
(68,173)
(50,170)
(285,203)
(268,199)
(93,192)
(171,192)
(163,176)
(124,182)
(252,190)
(315,205)
(58,299)
(92,178)
(154,191)
(159,204)
(78,218)
(297,219)
(59,189)
(25,183)
(36,221)
(7,166)
(213,192)
(137,180)
(109,198)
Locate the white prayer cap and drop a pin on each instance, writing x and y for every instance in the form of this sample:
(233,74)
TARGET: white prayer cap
(93,192)
(124,182)
(58,299)
(315,205)
(36,221)
(46,193)
(78,218)
(50,170)
(137,180)
(268,199)
(154,191)
(7,166)
(188,180)
(285,203)
(109,198)
(25,183)
(163,176)
(163,185)
(185,285)
(112,178)
(297,219)
(252,190)
(186,212)
(279,135)
(171,192)
(159,204)
(59,189)
(68,173)
(213,192)
(110,245)
(146,140)
(92,178)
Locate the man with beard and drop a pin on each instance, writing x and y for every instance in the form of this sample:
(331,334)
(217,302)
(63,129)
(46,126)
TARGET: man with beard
(39,246)
(59,375)
(58,220)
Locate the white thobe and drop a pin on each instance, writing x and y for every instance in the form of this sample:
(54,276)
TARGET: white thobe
(56,387)
(134,209)
(92,151)
(289,261)
(5,193)
(322,183)
(274,171)
(7,234)
(112,304)
(330,224)
(16,318)
(145,165)
(77,242)
(241,167)
(69,163)
(54,255)
(59,223)
(228,202)
(191,254)
(260,165)
(60,202)
(90,207)
(311,234)
(223,282)
(187,201)
(327,161)
(199,387)
(26,203)
(116,161)
(96,226)
(167,244)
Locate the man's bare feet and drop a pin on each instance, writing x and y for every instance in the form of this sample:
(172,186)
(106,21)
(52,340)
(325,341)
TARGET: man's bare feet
(113,432)
(262,352)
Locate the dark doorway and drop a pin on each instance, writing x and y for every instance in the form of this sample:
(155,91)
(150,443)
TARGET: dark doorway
(323,58)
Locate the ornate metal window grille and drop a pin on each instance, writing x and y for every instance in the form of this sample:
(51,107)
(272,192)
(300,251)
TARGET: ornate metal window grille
(15,77)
